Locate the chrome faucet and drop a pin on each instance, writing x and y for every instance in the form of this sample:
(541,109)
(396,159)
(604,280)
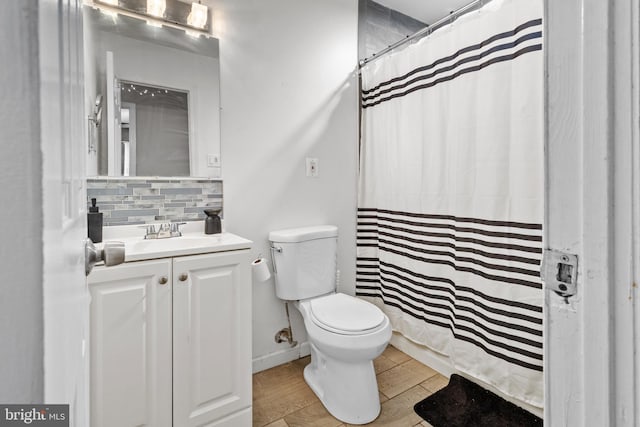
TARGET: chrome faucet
(164,231)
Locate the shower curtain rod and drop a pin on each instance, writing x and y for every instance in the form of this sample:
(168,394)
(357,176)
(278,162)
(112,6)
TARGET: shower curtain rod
(427,30)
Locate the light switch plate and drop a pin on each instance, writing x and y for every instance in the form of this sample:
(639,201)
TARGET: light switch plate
(213,160)
(311,166)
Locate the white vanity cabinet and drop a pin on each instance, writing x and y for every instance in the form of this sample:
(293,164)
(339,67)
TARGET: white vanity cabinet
(212,340)
(171,342)
(130,351)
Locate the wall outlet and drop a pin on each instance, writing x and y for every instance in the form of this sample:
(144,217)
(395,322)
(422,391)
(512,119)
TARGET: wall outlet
(312,166)
(213,160)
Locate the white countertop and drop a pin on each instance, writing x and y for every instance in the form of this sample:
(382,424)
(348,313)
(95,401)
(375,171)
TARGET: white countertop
(193,241)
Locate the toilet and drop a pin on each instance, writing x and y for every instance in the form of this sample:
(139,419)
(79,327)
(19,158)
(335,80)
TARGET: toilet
(345,333)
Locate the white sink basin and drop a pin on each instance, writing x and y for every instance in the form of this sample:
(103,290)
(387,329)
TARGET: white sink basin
(193,241)
(171,244)
(188,244)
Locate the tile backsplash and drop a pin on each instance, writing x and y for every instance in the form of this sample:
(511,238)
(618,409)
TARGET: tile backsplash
(126,201)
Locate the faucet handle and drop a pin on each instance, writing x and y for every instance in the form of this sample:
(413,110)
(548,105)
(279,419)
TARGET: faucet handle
(175,228)
(150,229)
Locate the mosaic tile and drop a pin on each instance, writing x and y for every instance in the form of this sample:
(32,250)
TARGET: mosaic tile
(139,201)
(180,191)
(111,191)
(134,212)
(146,191)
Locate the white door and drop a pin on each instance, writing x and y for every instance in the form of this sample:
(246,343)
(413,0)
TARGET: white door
(211,337)
(114,147)
(131,344)
(62,125)
(128,136)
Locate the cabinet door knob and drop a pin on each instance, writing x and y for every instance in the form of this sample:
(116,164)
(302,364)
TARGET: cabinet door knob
(183,277)
(163,280)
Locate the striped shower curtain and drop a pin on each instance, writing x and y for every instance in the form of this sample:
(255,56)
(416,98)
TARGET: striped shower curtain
(450,202)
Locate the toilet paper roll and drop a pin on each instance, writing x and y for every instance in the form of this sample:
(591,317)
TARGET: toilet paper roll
(260,270)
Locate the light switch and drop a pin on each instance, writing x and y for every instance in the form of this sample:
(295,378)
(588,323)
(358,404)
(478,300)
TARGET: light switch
(312,166)
(213,160)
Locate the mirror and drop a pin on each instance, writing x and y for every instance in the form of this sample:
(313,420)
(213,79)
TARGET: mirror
(154,129)
(159,99)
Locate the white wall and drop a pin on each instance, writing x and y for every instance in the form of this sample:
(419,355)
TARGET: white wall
(157,65)
(21,325)
(288,91)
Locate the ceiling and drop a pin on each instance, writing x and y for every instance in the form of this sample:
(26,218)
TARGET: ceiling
(427,11)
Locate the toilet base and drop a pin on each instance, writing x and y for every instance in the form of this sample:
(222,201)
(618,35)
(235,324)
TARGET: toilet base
(349,391)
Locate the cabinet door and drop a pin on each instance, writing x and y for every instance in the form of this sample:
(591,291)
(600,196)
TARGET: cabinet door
(131,344)
(211,337)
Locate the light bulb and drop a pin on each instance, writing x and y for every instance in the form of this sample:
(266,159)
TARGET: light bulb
(198,16)
(156,7)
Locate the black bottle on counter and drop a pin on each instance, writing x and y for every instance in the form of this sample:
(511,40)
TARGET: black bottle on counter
(212,224)
(94,223)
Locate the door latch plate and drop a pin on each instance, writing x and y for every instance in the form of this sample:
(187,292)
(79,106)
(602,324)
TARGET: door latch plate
(560,272)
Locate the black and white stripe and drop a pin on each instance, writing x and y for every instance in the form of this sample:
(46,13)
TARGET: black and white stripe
(501,252)
(505,46)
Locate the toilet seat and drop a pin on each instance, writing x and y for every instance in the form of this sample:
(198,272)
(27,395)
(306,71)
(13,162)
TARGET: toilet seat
(345,315)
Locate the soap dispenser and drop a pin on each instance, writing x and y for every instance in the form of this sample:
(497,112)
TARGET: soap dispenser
(94,222)
(212,224)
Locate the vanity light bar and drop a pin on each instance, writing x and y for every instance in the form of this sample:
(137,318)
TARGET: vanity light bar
(191,16)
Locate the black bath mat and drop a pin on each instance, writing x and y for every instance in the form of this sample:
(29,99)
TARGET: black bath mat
(465,404)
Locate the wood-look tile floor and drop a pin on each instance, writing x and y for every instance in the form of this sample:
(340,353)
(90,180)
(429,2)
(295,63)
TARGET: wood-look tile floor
(281,397)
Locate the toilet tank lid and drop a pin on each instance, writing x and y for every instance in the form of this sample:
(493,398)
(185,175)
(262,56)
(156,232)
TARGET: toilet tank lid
(292,235)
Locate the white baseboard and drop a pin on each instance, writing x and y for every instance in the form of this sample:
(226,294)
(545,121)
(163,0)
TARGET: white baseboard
(281,357)
(443,365)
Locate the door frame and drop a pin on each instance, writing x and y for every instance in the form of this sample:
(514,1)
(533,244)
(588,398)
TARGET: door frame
(592,210)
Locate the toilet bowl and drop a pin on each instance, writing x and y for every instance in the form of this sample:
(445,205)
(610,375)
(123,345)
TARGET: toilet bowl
(341,371)
(345,333)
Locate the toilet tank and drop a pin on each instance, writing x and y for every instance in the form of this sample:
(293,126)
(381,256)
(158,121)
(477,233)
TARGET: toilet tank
(304,261)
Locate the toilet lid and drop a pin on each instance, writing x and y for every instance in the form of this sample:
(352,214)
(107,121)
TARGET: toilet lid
(346,314)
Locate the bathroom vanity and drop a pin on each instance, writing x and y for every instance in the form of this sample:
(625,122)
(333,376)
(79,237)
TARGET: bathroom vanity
(171,333)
